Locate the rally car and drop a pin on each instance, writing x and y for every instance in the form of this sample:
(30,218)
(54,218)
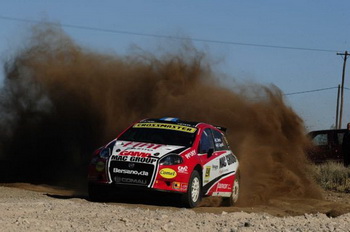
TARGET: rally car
(167,154)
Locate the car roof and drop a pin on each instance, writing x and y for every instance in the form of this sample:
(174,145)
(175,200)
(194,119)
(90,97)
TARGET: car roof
(177,121)
(325,131)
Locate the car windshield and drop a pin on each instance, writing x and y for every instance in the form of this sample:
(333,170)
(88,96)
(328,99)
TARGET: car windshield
(159,136)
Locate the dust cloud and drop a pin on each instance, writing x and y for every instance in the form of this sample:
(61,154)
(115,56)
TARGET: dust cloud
(61,101)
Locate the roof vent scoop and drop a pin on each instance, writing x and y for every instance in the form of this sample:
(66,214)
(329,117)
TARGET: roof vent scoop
(168,119)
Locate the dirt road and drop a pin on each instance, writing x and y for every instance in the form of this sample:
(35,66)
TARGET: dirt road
(25,207)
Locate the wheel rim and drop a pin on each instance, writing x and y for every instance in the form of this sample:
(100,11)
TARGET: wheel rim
(235,190)
(195,189)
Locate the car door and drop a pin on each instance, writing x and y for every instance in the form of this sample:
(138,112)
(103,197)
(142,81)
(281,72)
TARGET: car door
(207,154)
(212,159)
(322,146)
(337,150)
(224,173)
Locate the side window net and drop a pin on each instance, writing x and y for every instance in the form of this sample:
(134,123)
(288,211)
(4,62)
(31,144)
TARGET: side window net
(219,141)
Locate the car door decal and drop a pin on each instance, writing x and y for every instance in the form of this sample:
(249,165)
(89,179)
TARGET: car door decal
(215,180)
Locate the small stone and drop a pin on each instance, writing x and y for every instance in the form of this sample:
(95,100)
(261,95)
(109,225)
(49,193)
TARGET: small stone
(247,224)
(124,219)
(165,228)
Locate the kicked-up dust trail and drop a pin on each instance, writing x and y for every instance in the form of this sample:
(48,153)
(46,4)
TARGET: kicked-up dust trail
(61,101)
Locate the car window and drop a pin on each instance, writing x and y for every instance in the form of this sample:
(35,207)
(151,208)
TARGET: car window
(320,139)
(206,141)
(219,141)
(158,136)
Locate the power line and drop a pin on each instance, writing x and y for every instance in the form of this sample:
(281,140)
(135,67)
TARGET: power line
(311,91)
(184,38)
(169,37)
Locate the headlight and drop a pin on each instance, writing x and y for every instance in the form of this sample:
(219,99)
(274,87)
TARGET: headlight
(171,160)
(105,153)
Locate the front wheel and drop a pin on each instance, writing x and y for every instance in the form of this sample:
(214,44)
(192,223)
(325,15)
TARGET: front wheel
(98,193)
(193,196)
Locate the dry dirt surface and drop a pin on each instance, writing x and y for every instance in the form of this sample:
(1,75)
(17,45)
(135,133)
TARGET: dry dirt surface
(25,207)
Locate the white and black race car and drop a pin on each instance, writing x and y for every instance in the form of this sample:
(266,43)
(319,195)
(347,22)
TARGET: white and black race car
(189,158)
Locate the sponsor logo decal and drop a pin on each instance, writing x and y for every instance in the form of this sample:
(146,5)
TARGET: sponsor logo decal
(222,162)
(134,159)
(179,186)
(226,160)
(166,126)
(141,160)
(130,172)
(230,159)
(168,173)
(183,169)
(207,172)
(130,180)
(222,186)
(218,143)
(120,158)
(100,166)
(140,145)
(190,154)
(223,170)
(135,153)
(176,185)
(215,167)
(131,165)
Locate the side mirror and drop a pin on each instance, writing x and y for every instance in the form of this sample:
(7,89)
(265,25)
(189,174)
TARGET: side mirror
(210,152)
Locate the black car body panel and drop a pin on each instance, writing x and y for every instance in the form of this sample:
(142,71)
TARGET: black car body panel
(327,145)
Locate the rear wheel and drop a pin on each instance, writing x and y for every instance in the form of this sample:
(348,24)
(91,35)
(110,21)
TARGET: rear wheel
(232,200)
(193,196)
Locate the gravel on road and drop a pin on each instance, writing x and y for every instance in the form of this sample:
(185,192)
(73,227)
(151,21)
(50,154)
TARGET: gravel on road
(24,210)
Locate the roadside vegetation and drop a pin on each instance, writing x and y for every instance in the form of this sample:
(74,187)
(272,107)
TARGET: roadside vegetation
(332,176)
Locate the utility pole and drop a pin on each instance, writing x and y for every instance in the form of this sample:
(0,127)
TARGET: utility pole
(337,110)
(345,56)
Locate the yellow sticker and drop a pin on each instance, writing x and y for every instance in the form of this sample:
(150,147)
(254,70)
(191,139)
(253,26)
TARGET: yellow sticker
(166,126)
(168,173)
(207,171)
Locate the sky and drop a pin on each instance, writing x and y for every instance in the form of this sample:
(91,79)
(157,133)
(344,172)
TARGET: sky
(290,44)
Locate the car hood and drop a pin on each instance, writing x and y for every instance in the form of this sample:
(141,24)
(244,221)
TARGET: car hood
(144,149)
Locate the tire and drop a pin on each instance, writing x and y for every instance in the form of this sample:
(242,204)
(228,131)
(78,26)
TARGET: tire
(232,200)
(98,193)
(193,196)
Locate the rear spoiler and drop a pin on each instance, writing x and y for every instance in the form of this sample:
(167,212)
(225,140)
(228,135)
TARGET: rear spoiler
(223,129)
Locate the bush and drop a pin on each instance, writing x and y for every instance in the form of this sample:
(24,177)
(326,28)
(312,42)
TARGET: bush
(333,176)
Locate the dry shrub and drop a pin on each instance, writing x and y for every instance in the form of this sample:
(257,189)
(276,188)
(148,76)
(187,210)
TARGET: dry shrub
(333,176)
